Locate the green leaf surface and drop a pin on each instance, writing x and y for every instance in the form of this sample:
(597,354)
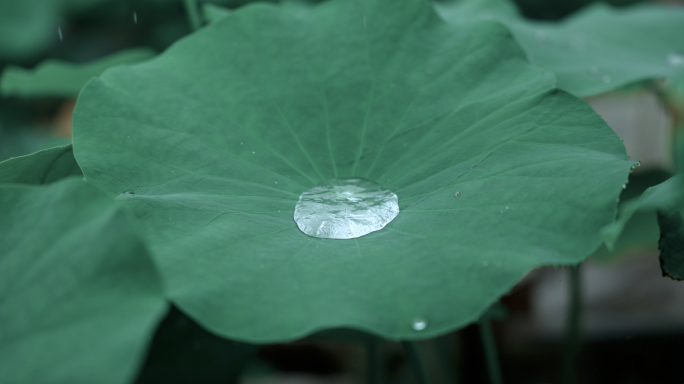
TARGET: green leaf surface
(42,167)
(216,139)
(61,79)
(80,295)
(26,27)
(183,352)
(671,243)
(596,50)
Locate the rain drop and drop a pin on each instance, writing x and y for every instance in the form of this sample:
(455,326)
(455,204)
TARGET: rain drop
(253,152)
(135,17)
(675,59)
(540,36)
(59,31)
(345,209)
(606,79)
(457,194)
(419,324)
(624,186)
(128,193)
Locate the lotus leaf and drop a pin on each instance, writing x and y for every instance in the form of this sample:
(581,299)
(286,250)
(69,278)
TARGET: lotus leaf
(212,143)
(80,295)
(61,79)
(596,50)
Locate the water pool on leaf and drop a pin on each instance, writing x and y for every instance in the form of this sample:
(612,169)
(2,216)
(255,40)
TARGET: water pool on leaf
(345,209)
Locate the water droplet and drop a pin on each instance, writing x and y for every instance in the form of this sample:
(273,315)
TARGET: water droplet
(135,17)
(593,70)
(540,36)
(262,265)
(419,324)
(485,263)
(606,79)
(675,59)
(624,186)
(128,193)
(507,207)
(253,152)
(457,194)
(241,143)
(59,32)
(345,209)
(276,182)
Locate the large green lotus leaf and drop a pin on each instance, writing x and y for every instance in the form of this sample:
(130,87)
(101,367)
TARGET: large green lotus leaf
(61,79)
(80,295)
(596,50)
(212,143)
(42,167)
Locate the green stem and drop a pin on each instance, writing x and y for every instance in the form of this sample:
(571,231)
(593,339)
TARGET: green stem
(192,11)
(416,362)
(572,341)
(374,367)
(489,345)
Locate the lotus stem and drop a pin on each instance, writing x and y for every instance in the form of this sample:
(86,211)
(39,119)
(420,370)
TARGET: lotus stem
(572,341)
(489,346)
(416,362)
(192,10)
(374,367)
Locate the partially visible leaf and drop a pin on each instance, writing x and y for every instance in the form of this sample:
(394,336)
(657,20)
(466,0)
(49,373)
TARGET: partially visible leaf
(26,27)
(671,243)
(80,296)
(184,352)
(42,167)
(596,50)
(669,194)
(213,12)
(61,79)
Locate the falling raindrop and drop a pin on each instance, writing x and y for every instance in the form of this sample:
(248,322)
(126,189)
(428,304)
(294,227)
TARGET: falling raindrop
(59,31)
(135,17)
(345,209)
(624,186)
(419,324)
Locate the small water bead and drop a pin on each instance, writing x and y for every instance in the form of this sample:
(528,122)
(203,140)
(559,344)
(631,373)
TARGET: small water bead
(419,324)
(128,193)
(606,79)
(675,59)
(624,186)
(457,194)
(345,209)
(135,17)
